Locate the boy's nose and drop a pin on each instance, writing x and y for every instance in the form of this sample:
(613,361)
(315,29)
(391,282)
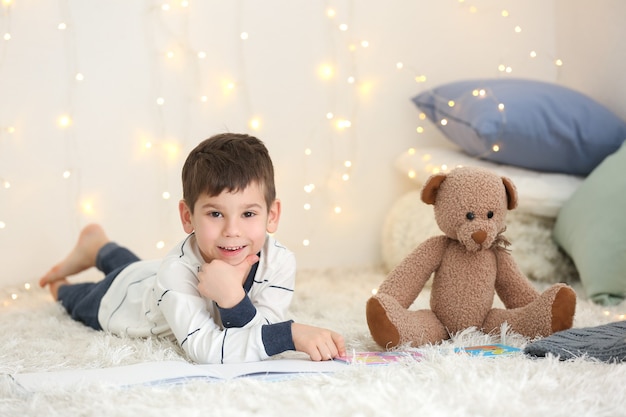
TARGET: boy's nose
(231,228)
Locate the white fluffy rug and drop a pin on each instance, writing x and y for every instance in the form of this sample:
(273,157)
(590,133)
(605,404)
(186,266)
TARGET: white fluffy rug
(38,336)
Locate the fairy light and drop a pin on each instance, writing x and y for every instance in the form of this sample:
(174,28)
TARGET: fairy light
(337,210)
(166,195)
(7,36)
(160,244)
(255,124)
(64,121)
(62,26)
(66,174)
(244,36)
(306,242)
(160,101)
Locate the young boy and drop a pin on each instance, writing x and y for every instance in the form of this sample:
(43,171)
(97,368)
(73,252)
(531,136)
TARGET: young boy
(224,291)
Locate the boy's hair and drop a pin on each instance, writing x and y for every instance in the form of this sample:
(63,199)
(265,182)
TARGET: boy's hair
(227,161)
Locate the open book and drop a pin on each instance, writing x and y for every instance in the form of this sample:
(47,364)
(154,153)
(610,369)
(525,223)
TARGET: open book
(168,372)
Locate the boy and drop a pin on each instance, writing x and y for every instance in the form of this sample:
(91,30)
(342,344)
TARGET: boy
(224,291)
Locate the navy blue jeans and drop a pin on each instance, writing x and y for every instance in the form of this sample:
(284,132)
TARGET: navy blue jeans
(82,301)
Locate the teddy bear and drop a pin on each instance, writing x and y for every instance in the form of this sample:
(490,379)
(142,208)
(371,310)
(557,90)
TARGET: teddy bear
(469,264)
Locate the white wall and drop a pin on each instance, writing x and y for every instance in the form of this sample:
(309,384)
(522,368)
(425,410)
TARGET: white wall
(120,48)
(590,39)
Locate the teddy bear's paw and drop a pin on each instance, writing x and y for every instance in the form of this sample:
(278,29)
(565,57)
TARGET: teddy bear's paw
(563,308)
(381,328)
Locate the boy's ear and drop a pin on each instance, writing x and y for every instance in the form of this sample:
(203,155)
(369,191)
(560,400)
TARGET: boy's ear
(273,216)
(185,216)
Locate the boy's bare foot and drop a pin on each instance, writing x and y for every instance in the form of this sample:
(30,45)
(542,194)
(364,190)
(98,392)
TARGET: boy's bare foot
(82,257)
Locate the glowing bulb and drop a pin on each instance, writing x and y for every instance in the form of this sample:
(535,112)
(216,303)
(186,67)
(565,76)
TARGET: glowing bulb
(307,206)
(6,184)
(169,54)
(160,101)
(399,65)
(10,129)
(533,54)
(309,188)
(166,195)
(255,124)
(420,129)
(65,121)
(204,99)
(87,207)
(347,164)
(62,26)
(329,115)
(13,296)
(67,174)
(160,244)
(501,106)
(165,7)
(7,36)
(422,116)
(351,80)
(443,122)
(365,44)
(244,35)
(337,210)
(451,103)
(202,55)
(184,3)
(331,13)
(79,77)
(411,151)
(343,27)
(308,151)
(558,63)
(326,72)
(473,9)
(518,29)
(375,290)
(412,174)
(495,148)
(306,242)
(171,149)
(343,124)
(27,286)
(7,2)
(148,145)
(345,177)
(420,78)
(2,225)
(505,13)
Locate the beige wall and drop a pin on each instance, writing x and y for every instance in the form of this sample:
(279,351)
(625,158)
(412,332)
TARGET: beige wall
(591,39)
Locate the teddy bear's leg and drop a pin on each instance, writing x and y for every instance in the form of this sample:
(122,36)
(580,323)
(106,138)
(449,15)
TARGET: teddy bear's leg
(391,324)
(551,312)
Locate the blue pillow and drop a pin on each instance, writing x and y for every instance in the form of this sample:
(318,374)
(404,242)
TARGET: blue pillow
(536,125)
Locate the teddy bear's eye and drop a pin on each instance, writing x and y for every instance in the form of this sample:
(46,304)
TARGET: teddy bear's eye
(489,214)
(470,215)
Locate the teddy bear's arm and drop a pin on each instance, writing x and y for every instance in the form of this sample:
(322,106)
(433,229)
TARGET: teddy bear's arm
(407,279)
(513,288)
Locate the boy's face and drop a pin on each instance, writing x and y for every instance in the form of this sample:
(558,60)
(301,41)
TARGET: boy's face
(231,226)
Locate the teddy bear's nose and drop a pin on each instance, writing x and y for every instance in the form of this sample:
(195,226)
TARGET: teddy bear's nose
(479,236)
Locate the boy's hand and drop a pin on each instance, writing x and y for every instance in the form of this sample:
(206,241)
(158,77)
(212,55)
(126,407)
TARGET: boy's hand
(222,282)
(320,344)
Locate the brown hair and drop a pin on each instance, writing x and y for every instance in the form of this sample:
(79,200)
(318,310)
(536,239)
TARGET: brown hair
(227,161)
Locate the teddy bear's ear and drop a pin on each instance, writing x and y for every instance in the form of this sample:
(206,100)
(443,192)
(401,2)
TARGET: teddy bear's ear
(429,192)
(511,193)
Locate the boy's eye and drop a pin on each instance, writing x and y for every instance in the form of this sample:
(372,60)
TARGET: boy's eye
(215,214)
(248,214)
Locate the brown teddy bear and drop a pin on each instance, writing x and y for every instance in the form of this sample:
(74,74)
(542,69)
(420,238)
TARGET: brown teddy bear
(471,264)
